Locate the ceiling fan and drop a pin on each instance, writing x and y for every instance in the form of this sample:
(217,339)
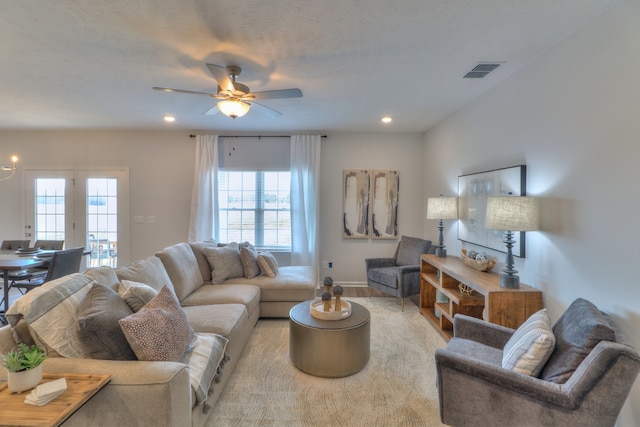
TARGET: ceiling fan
(235,98)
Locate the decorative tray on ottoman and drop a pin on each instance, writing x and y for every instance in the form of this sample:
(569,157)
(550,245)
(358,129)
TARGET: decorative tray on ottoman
(317,310)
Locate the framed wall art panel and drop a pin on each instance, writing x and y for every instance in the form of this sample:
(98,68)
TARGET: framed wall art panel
(473,190)
(385,187)
(355,215)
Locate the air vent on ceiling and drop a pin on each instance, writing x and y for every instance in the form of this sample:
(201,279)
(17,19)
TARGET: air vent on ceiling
(480,71)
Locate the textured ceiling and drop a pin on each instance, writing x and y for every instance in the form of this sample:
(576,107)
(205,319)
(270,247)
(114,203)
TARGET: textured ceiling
(70,64)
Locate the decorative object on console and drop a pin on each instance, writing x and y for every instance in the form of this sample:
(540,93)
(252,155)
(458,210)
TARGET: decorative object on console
(476,260)
(11,169)
(465,289)
(442,208)
(511,214)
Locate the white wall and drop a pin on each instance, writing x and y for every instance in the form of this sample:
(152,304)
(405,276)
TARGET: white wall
(161,177)
(402,152)
(572,118)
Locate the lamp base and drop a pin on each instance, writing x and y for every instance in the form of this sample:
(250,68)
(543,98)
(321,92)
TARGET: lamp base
(511,281)
(441,252)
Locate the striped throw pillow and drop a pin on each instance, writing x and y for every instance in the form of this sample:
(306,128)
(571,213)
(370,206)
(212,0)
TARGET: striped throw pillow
(267,263)
(530,346)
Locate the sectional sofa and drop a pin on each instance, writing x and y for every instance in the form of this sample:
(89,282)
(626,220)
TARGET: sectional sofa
(187,293)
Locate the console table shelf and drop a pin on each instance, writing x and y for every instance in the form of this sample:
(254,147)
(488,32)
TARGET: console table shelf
(441,300)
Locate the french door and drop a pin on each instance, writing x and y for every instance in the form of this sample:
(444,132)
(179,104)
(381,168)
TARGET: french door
(83,208)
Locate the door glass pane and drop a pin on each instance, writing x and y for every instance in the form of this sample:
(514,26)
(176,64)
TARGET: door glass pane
(50,200)
(102,221)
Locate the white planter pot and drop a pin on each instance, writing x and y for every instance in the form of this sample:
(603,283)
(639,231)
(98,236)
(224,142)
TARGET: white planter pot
(17,382)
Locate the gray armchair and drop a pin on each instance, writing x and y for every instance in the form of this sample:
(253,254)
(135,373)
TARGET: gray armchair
(399,276)
(584,383)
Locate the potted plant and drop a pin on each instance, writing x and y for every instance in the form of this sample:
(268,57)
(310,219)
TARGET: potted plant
(24,367)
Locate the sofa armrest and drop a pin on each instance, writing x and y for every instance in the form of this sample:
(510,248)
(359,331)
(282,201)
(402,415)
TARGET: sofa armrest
(379,262)
(133,385)
(484,378)
(407,269)
(481,331)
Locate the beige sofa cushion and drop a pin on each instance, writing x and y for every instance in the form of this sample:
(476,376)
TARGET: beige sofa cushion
(182,266)
(149,271)
(203,264)
(247,295)
(292,283)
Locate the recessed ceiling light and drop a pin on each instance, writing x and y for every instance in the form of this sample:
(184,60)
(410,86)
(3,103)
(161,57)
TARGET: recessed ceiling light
(386,119)
(169,119)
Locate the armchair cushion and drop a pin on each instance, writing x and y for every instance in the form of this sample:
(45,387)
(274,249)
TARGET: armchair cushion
(410,249)
(580,328)
(530,346)
(385,275)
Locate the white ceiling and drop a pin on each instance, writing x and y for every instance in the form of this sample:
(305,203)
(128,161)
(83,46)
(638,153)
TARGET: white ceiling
(70,64)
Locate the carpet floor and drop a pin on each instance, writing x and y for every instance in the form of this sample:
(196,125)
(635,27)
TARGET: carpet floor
(396,388)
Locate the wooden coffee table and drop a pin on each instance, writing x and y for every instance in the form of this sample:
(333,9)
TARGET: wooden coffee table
(80,388)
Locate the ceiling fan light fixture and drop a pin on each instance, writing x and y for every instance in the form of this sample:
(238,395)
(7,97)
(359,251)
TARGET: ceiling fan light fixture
(233,108)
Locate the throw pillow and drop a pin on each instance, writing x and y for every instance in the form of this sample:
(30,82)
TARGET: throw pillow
(580,328)
(97,327)
(249,259)
(51,313)
(530,346)
(160,330)
(136,294)
(268,264)
(205,358)
(225,262)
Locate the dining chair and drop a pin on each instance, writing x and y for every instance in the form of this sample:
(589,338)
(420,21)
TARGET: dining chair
(55,245)
(62,263)
(14,245)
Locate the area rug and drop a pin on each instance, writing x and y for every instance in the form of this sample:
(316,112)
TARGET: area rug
(396,388)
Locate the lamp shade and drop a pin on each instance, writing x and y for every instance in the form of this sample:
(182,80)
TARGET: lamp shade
(512,213)
(442,208)
(233,109)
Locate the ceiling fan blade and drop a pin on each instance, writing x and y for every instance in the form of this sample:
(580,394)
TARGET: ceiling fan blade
(269,112)
(222,77)
(276,94)
(190,92)
(213,110)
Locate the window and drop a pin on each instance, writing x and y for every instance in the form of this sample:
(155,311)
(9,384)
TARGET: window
(50,209)
(255,206)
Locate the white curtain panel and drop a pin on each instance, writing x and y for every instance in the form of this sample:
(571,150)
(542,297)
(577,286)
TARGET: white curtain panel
(204,221)
(305,185)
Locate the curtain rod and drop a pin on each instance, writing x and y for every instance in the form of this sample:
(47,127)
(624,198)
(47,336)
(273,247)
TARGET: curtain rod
(253,136)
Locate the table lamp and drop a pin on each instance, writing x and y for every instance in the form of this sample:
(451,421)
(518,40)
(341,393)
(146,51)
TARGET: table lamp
(509,214)
(442,208)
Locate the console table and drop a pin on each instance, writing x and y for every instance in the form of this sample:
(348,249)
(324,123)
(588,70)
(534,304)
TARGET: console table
(488,301)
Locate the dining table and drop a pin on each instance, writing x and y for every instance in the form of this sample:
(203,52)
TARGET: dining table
(14,261)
